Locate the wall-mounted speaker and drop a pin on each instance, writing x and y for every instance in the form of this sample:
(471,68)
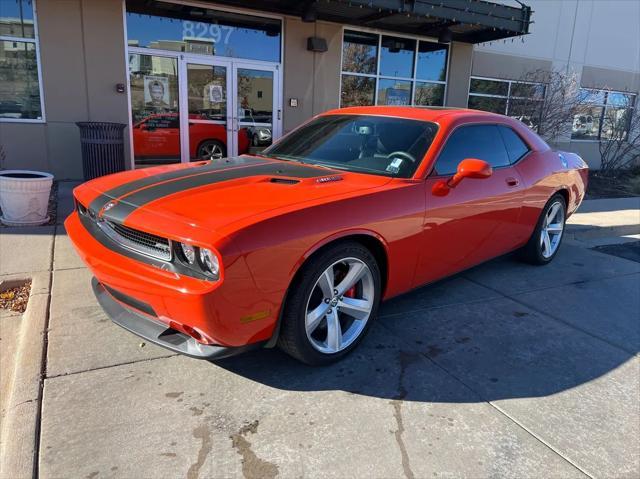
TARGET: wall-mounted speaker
(316,44)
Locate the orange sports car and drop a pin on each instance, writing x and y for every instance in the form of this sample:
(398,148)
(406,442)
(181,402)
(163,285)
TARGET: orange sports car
(297,246)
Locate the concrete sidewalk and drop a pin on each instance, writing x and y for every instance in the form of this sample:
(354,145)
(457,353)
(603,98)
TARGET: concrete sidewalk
(605,218)
(507,370)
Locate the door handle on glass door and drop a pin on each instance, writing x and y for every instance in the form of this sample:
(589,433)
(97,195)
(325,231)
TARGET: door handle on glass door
(512,181)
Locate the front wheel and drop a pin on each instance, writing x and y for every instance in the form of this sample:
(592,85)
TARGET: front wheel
(546,238)
(331,305)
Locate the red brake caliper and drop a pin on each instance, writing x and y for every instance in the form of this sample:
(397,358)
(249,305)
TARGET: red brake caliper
(351,292)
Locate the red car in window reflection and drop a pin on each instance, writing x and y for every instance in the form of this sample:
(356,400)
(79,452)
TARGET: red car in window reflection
(157,137)
(297,246)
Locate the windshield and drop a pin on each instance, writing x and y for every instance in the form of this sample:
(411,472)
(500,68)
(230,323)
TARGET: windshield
(368,144)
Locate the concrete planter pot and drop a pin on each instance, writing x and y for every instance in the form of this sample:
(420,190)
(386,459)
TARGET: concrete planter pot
(24,197)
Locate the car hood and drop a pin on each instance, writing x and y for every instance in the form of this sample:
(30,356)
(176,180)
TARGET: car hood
(203,200)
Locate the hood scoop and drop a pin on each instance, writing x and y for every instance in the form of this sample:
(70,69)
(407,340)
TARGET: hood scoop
(329,179)
(284,181)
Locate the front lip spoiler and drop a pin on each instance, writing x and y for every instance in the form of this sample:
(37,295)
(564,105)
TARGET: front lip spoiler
(158,333)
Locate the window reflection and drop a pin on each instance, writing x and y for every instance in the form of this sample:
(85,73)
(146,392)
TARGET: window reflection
(586,123)
(359,52)
(207,90)
(429,94)
(16,18)
(154,109)
(394,92)
(357,91)
(255,105)
(19,86)
(604,115)
(396,57)
(489,87)
(432,61)
(165,26)
(494,105)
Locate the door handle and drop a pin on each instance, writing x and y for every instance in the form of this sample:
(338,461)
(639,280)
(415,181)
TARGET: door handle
(512,182)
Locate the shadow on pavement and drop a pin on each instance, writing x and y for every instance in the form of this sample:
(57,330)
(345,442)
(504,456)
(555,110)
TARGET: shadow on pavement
(489,348)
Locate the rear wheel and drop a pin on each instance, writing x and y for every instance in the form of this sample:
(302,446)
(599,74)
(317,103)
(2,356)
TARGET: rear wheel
(546,238)
(211,150)
(331,305)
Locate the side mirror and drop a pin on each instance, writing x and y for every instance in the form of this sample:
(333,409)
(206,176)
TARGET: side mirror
(468,168)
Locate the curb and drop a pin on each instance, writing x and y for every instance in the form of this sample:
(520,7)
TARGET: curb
(581,232)
(20,425)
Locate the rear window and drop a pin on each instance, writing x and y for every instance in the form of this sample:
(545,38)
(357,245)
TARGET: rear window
(516,148)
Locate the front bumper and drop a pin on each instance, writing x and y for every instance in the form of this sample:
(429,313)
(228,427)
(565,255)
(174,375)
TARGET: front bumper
(158,333)
(180,302)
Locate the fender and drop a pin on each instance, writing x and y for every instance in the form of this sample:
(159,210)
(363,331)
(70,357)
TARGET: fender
(335,237)
(273,341)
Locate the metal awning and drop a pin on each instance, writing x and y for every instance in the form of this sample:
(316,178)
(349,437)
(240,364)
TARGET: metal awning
(470,21)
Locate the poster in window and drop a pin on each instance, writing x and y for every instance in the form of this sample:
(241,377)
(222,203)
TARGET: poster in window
(156,92)
(216,95)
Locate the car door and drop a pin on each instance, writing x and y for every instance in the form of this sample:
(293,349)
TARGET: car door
(478,219)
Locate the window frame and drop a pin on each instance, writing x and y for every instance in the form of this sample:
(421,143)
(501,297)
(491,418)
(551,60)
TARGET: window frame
(377,76)
(432,170)
(604,105)
(35,40)
(506,97)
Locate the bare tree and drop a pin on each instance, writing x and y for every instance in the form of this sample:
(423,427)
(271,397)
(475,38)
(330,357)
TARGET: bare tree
(619,138)
(553,109)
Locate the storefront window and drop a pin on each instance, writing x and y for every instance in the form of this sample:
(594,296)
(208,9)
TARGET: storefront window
(603,115)
(396,57)
(429,94)
(205,31)
(360,52)
(357,91)
(520,100)
(20,89)
(389,70)
(154,109)
(432,62)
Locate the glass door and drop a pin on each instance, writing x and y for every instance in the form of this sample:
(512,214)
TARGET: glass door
(256,109)
(206,119)
(155,109)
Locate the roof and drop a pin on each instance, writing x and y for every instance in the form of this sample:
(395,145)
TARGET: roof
(416,113)
(469,21)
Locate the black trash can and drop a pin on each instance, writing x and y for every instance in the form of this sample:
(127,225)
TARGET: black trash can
(102,148)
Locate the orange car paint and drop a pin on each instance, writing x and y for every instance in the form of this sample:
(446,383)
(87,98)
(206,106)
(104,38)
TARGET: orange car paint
(264,231)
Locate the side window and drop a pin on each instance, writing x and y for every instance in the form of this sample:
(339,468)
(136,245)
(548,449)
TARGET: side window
(516,148)
(478,141)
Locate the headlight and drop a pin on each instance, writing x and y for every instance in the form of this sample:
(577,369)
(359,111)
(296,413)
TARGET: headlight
(189,252)
(209,261)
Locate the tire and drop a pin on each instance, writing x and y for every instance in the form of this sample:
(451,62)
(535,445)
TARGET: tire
(536,250)
(255,140)
(211,150)
(307,298)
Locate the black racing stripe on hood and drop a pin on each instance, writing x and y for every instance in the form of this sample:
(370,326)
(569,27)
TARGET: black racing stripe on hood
(129,204)
(148,181)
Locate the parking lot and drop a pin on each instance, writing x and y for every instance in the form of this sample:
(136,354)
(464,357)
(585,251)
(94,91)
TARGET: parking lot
(506,370)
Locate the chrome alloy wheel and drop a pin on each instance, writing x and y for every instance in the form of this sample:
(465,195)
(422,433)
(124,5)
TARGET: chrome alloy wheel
(339,305)
(210,151)
(552,229)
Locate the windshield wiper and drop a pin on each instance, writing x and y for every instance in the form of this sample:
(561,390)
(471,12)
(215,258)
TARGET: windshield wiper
(285,158)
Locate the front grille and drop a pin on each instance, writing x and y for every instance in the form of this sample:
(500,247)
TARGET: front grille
(136,240)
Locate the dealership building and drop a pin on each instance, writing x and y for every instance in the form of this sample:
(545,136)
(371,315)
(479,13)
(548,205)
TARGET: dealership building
(203,79)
